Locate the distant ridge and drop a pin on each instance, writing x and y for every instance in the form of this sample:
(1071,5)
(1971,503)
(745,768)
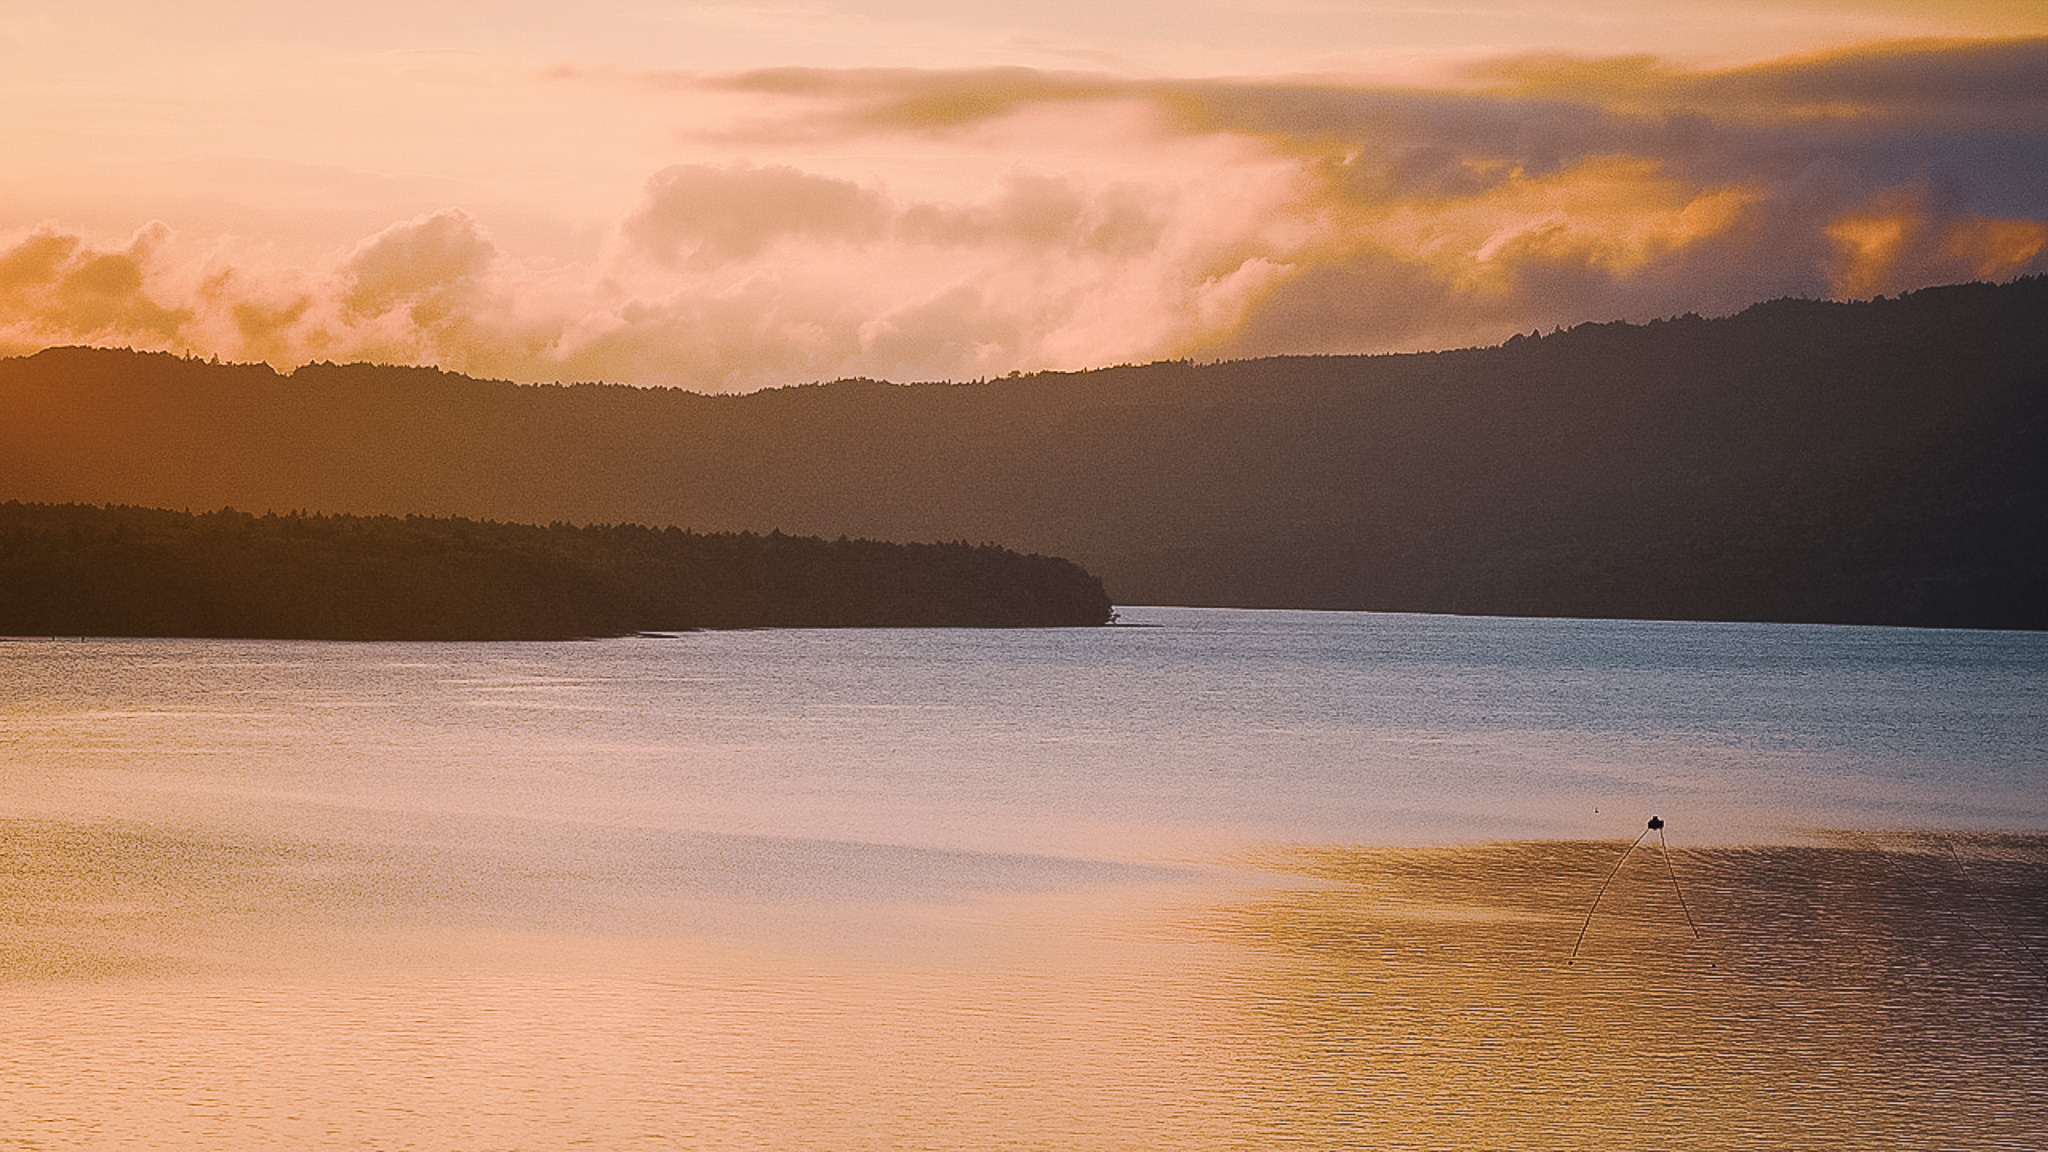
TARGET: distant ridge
(1874,462)
(76,570)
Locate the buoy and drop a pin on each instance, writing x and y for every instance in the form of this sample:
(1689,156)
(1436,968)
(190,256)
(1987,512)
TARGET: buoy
(1656,825)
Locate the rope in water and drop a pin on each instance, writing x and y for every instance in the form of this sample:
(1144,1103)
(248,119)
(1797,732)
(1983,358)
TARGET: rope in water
(1669,871)
(1654,823)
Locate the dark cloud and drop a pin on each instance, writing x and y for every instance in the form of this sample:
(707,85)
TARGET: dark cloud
(1980,108)
(1553,189)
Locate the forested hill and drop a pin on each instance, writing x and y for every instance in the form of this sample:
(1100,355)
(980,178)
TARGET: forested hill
(76,570)
(1884,461)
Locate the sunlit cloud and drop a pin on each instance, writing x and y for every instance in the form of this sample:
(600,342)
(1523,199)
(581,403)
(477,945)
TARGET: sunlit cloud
(1897,237)
(929,99)
(65,289)
(706,216)
(1994,85)
(811,223)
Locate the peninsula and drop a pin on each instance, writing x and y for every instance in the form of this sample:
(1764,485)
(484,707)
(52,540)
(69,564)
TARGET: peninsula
(78,570)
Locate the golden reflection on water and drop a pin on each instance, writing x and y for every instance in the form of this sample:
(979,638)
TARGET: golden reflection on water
(1865,993)
(179,990)
(188,990)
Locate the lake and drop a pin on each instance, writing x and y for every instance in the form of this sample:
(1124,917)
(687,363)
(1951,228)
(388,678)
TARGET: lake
(1206,879)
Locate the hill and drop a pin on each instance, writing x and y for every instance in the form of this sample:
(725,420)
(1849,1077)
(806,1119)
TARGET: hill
(1882,461)
(78,570)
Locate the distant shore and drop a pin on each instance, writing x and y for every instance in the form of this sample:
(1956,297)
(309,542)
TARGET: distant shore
(79,570)
(1802,461)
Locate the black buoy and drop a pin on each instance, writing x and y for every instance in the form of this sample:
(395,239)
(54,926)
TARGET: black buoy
(1656,825)
(1664,850)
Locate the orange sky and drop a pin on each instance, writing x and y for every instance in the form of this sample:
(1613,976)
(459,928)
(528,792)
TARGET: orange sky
(727,196)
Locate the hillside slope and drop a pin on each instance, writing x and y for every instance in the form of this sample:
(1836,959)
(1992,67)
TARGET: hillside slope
(1884,461)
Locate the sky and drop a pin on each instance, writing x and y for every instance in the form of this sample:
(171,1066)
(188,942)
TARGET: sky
(730,196)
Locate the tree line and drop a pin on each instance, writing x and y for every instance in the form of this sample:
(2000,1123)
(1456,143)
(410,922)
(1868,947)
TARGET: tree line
(83,570)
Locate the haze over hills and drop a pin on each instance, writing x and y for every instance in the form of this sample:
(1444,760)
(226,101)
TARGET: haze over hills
(1883,461)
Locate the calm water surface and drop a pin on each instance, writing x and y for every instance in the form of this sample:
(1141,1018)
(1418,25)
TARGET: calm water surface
(1214,880)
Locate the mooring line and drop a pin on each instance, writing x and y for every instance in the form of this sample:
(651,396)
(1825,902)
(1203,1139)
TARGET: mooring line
(1963,872)
(1654,822)
(1669,871)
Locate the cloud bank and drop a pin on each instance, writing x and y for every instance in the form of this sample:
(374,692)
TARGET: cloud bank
(1029,219)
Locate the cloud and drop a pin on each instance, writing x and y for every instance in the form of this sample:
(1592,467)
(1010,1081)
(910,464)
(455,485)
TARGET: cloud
(1043,211)
(432,266)
(1983,84)
(1897,239)
(57,287)
(757,333)
(1596,189)
(35,261)
(927,99)
(1997,85)
(705,216)
(966,223)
